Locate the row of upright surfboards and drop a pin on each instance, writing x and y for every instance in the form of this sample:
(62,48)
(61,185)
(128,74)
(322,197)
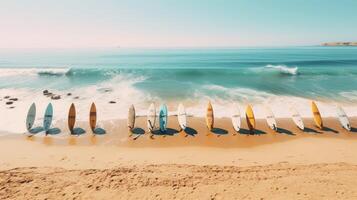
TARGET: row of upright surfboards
(162,117)
(296,117)
(48,117)
(236,117)
(182,117)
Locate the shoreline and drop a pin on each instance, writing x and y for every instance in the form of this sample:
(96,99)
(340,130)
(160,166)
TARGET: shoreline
(115,132)
(114,165)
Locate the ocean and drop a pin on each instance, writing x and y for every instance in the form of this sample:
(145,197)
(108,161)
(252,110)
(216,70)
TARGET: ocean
(276,77)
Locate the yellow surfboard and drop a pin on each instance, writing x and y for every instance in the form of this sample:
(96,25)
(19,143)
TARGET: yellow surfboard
(209,116)
(317,115)
(249,115)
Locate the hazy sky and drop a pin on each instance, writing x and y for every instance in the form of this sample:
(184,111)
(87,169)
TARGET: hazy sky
(174,23)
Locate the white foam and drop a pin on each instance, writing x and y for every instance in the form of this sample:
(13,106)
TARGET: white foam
(284,69)
(122,90)
(6,72)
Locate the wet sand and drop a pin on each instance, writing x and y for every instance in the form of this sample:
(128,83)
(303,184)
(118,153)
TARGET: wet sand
(196,164)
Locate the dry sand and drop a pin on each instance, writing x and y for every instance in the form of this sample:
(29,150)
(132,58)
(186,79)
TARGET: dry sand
(291,164)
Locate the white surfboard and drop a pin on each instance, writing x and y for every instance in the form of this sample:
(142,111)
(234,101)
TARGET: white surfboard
(181,116)
(151,117)
(236,118)
(342,117)
(31,116)
(297,118)
(270,119)
(131,117)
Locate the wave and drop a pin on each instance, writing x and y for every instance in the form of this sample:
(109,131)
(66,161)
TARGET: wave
(5,72)
(284,69)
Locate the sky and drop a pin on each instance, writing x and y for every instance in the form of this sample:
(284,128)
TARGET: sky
(175,23)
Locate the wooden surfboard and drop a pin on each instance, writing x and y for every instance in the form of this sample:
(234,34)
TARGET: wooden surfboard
(131,117)
(209,116)
(93,117)
(317,115)
(71,118)
(249,115)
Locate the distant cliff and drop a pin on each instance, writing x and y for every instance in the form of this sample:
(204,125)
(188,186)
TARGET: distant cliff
(340,44)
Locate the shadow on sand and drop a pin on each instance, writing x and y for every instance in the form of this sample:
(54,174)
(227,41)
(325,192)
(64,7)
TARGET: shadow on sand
(99,131)
(329,129)
(53,131)
(169,131)
(353,130)
(310,130)
(285,131)
(219,131)
(36,130)
(249,132)
(138,131)
(190,131)
(78,131)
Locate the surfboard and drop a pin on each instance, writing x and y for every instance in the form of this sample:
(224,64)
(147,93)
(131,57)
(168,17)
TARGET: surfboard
(131,117)
(209,116)
(317,115)
(93,117)
(163,117)
(249,115)
(270,119)
(31,116)
(47,120)
(71,118)
(297,118)
(342,117)
(181,116)
(151,117)
(236,120)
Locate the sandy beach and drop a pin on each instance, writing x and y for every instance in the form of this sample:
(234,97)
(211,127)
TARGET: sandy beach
(290,164)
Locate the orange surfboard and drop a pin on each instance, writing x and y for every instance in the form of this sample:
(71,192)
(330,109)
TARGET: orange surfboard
(93,117)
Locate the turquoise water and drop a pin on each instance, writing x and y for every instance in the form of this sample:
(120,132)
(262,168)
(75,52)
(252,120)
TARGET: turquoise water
(318,72)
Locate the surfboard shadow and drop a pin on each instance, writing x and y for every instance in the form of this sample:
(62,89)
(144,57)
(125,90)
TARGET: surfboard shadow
(310,130)
(353,130)
(138,131)
(99,131)
(190,131)
(36,130)
(219,131)
(78,131)
(53,131)
(169,131)
(249,132)
(285,131)
(329,130)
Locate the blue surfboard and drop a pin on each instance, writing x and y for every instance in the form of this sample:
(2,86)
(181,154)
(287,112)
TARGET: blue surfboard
(31,116)
(163,117)
(47,120)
